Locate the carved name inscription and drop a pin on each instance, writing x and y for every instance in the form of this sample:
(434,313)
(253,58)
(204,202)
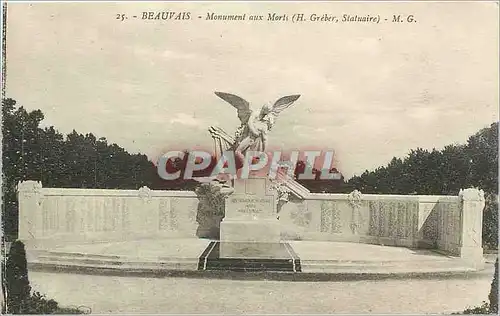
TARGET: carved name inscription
(250,205)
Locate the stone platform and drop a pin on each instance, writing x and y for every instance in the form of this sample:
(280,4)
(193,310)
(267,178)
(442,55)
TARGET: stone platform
(297,258)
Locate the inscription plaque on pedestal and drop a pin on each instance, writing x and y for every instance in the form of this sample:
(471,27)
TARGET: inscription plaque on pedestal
(247,206)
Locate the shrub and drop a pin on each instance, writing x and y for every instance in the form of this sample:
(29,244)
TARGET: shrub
(211,210)
(493,296)
(19,299)
(212,199)
(39,304)
(490,222)
(483,309)
(17,287)
(492,306)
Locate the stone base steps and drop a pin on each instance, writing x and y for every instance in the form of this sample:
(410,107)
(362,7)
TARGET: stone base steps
(81,257)
(383,270)
(68,265)
(418,266)
(71,259)
(383,265)
(115,264)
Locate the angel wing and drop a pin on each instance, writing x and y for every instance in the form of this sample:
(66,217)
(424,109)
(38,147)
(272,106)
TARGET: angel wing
(240,104)
(283,103)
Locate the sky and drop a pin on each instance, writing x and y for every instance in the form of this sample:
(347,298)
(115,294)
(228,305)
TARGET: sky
(368,91)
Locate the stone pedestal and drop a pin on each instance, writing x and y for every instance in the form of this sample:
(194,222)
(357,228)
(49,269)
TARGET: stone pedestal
(250,228)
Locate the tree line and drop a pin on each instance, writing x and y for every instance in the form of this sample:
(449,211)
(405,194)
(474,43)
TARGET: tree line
(444,172)
(441,172)
(30,152)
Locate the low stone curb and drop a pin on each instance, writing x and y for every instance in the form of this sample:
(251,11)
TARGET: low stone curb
(274,276)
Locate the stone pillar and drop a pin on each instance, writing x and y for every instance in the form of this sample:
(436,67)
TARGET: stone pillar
(471,217)
(145,221)
(30,196)
(355,202)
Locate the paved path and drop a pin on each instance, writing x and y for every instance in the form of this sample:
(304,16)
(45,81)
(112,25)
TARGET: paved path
(105,294)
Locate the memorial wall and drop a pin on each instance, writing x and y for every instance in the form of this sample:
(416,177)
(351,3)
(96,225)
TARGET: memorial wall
(54,216)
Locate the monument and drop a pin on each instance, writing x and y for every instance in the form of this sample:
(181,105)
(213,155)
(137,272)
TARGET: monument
(252,237)
(250,228)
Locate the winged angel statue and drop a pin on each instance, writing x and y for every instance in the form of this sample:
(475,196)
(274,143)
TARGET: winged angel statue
(252,133)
